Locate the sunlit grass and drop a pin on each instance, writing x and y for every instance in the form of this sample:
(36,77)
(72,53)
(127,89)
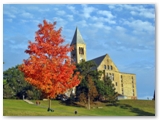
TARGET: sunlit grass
(123,108)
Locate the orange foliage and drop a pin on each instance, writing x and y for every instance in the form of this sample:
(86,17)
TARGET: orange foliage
(48,67)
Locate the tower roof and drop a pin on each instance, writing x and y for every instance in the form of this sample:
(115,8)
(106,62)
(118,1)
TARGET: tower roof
(77,38)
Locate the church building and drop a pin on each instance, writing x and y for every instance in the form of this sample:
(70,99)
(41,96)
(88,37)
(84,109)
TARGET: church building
(125,83)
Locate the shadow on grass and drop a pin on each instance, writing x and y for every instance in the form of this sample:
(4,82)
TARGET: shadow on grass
(69,103)
(138,111)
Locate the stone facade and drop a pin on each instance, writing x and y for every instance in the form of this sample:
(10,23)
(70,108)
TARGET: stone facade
(125,83)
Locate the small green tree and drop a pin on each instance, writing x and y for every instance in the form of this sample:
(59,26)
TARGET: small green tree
(88,95)
(8,92)
(110,94)
(86,91)
(100,88)
(30,94)
(92,91)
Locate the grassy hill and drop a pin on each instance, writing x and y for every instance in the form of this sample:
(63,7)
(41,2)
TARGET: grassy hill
(123,108)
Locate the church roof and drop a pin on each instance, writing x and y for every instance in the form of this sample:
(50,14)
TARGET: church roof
(77,38)
(98,60)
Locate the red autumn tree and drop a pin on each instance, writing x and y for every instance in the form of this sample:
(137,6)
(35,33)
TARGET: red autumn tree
(48,67)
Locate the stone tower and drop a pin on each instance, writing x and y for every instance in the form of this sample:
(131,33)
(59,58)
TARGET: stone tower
(79,51)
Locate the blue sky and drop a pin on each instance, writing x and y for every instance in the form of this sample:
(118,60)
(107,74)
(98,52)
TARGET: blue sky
(124,31)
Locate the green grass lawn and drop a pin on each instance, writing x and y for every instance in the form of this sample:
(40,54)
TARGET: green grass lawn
(123,108)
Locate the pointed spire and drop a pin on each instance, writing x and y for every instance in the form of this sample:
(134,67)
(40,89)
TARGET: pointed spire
(77,38)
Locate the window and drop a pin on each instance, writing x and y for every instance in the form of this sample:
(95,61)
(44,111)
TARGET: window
(113,76)
(111,67)
(81,50)
(121,85)
(116,84)
(121,76)
(108,67)
(133,92)
(105,66)
(122,91)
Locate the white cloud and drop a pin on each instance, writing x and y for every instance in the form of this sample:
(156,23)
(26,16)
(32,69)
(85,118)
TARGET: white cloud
(122,38)
(130,7)
(147,14)
(133,13)
(106,13)
(140,10)
(23,21)
(119,28)
(61,22)
(103,19)
(110,21)
(82,23)
(94,18)
(108,17)
(107,28)
(9,14)
(9,20)
(111,6)
(70,17)
(27,15)
(87,11)
(37,8)
(141,26)
(98,25)
(61,12)
(36,21)
(72,9)
(56,9)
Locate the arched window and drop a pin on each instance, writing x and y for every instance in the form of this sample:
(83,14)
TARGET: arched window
(81,50)
(108,67)
(105,66)
(111,67)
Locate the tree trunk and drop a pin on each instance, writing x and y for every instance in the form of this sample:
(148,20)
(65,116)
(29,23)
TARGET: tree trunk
(49,105)
(88,101)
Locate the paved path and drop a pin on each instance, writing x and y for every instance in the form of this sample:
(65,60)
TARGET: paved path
(28,101)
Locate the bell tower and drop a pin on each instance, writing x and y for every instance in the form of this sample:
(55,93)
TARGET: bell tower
(79,51)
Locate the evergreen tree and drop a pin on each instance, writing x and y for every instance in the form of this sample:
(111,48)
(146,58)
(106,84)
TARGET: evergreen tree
(101,89)
(110,93)
(87,91)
